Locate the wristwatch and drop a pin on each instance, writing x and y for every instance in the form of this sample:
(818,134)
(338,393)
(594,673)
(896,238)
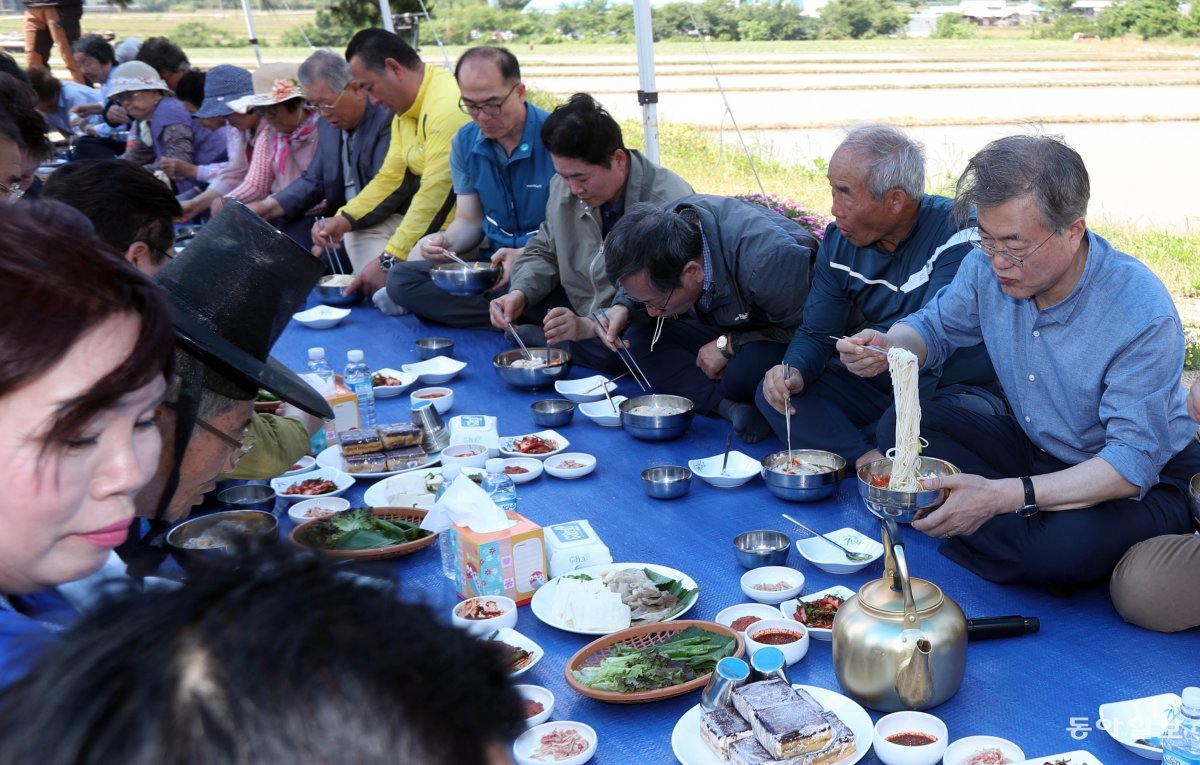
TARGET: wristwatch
(725,346)
(1030,507)
(387,260)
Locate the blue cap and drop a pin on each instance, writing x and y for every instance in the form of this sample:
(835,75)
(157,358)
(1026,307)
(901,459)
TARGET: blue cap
(732,668)
(223,84)
(767,659)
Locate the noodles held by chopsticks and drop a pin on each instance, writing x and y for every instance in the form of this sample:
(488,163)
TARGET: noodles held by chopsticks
(906,455)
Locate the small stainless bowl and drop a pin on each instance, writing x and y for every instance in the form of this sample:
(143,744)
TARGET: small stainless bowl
(754,549)
(808,487)
(251,496)
(657,427)
(331,294)
(904,506)
(666,481)
(552,412)
(428,347)
(532,378)
(458,279)
(243,532)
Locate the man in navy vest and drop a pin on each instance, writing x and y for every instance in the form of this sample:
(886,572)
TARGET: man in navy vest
(501,174)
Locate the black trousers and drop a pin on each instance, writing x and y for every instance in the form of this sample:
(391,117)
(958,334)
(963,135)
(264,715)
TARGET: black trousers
(1063,547)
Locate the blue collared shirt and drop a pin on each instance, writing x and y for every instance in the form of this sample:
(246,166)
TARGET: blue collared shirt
(1096,375)
(706,289)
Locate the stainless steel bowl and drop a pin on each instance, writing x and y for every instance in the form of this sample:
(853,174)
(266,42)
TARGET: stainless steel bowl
(904,506)
(251,496)
(458,279)
(332,294)
(657,427)
(755,549)
(532,378)
(242,532)
(806,487)
(429,347)
(552,412)
(666,481)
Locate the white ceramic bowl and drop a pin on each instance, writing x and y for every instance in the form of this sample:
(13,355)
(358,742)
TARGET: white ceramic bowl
(964,748)
(792,652)
(1127,721)
(303,465)
(435,371)
(828,558)
(321,317)
(542,696)
(788,609)
(387,391)
(529,463)
(553,465)
(771,575)
(741,469)
(562,443)
(601,413)
(465,455)
(586,389)
(530,740)
(910,722)
(441,403)
(507,618)
(727,616)
(343,481)
(517,640)
(299,512)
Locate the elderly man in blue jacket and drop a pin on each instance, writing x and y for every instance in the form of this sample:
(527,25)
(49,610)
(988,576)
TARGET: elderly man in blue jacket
(354,139)
(501,172)
(733,277)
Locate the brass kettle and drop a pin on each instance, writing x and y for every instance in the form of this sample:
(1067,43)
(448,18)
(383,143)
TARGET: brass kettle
(900,643)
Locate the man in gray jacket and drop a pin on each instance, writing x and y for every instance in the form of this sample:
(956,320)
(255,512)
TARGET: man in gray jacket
(733,275)
(559,282)
(354,138)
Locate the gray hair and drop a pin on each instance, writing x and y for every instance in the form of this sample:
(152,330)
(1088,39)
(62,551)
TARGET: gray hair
(894,161)
(1043,167)
(326,67)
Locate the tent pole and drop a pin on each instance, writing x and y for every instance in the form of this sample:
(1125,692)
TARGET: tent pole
(647,92)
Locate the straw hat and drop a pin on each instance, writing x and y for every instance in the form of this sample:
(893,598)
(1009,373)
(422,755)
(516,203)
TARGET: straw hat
(273,84)
(222,86)
(133,76)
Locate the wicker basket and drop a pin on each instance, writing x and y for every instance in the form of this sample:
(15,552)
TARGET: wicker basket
(642,637)
(409,514)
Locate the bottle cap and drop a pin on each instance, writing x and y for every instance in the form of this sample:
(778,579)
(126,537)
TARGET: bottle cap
(354,357)
(1191,697)
(495,465)
(316,353)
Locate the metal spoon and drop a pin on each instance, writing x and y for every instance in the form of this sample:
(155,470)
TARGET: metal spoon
(457,259)
(725,460)
(857,557)
(512,331)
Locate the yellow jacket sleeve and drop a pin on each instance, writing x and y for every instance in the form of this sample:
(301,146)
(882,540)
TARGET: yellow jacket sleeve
(417,165)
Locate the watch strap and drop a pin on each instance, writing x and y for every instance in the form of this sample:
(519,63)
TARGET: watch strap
(387,260)
(1030,507)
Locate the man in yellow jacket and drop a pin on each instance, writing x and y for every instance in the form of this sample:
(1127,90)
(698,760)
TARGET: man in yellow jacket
(415,176)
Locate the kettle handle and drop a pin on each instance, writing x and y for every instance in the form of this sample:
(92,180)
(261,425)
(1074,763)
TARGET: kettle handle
(896,566)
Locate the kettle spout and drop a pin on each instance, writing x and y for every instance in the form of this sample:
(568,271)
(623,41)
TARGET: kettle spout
(914,679)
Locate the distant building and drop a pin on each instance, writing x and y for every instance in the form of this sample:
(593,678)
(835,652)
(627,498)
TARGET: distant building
(1090,8)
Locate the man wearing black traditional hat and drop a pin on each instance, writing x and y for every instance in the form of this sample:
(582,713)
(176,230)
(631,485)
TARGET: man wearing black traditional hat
(224,329)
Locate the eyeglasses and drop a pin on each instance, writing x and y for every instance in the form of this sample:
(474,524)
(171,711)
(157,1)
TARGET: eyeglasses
(662,307)
(168,253)
(326,109)
(1016,257)
(12,193)
(490,109)
(127,96)
(241,446)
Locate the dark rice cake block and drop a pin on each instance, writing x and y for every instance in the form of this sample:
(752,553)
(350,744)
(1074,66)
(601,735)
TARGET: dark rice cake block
(404,459)
(359,442)
(841,745)
(722,727)
(762,695)
(400,434)
(787,730)
(374,462)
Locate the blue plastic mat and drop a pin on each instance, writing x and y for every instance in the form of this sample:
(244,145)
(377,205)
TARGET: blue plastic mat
(1041,691)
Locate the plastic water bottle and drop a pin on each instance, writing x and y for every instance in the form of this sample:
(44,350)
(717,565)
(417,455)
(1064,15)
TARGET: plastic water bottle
(357,379)
(499,485)
(448,539)
(320,367)
(1181,742)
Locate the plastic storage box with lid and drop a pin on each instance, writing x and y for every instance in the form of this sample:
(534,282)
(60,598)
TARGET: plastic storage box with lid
(475,429)
(574,545)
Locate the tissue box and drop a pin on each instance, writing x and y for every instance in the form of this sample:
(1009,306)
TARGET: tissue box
(574,545)
(511,562)
(341,400)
